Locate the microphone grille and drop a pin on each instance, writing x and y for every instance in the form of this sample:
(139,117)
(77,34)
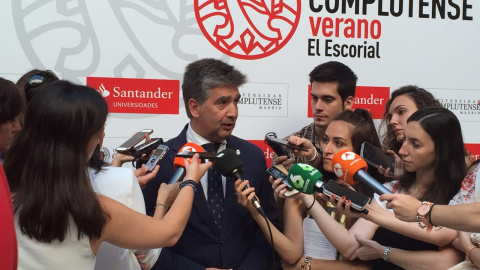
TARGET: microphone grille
(228,162)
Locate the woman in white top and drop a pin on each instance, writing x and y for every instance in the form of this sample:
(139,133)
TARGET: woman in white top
(60,221)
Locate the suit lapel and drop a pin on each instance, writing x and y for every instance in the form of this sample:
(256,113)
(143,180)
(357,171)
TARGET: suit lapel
(199,200)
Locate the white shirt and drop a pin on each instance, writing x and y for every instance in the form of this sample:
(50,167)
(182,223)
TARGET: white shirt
(120,184)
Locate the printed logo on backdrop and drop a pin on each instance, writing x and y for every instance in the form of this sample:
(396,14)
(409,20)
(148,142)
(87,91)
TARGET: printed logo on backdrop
(474,149)
(263,99)
(248,29)
(48,22)
(149,96)
(463,103)
(348,29)
(371,98)
(172,23)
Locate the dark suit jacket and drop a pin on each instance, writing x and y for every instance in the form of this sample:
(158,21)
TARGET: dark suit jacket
(240,244)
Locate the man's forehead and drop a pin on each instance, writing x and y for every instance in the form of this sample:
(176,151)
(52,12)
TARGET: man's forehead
(325,89)
(224,91)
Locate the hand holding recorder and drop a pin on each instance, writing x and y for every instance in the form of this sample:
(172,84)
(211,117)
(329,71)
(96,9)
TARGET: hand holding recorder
(307,179)
(307,150)
(279,171)
(129,151)
(276,143)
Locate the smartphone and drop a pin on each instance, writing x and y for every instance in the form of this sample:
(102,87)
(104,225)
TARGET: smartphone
(279,171)
(375,157)
(127,146)
(156,157)
(272,140)
(146,148)
(359,201)
(202,155)
(280,150)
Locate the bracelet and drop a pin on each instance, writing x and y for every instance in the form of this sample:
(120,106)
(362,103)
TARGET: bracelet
(163,205)
(190,183)
(310,207)
(467,255)
(314,156)
(429,215)
(306,264)
(385,254)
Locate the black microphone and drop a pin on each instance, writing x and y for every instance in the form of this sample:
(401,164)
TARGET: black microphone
(231,166)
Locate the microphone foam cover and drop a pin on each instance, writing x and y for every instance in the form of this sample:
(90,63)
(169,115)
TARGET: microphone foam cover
(191,147)
(345,164)
(228,162)
(303,177)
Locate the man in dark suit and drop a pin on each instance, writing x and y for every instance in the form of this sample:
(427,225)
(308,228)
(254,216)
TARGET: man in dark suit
(226,237)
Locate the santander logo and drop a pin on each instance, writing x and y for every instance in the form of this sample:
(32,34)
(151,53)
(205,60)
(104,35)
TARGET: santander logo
(137,95)
(248,29)
(103,91)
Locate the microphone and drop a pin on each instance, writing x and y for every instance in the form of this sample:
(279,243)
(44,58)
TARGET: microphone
(351,168)
(230,165)
(305,178)
(179,164)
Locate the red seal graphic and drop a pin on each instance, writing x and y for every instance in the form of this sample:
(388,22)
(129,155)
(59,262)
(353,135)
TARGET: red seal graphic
(248,29)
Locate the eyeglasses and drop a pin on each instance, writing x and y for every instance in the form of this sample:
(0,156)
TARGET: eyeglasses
(39,78)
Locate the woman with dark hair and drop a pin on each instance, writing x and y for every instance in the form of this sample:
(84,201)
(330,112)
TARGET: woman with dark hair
(34,80)
(403,102)
(11,103)
(60,221)
(362,130)
(10,108)
(348,130)
(433,156)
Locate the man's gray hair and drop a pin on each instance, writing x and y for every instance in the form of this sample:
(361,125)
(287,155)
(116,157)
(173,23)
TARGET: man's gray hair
(203,75)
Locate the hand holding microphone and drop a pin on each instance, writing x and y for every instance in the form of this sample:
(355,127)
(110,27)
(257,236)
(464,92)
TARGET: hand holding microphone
(307,179)
(230,165)
(351,168)
(179,162)
(195,169)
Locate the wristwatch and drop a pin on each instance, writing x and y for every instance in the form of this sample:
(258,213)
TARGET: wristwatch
(422,215)
(385,254)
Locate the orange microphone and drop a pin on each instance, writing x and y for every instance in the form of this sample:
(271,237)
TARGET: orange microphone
(351,168)
(179,164)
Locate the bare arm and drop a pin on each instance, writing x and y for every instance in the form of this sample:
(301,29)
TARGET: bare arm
(289,245)
(405,208)
(124,224)
(465,245)
(386,219)
(319,264)
(441,215)
(425,259)
(343,239)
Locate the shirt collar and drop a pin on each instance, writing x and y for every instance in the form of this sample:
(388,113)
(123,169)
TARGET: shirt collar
(193,137)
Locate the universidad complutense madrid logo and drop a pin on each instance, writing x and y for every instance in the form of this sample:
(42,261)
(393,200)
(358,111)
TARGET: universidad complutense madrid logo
(248,29)
(133,95)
